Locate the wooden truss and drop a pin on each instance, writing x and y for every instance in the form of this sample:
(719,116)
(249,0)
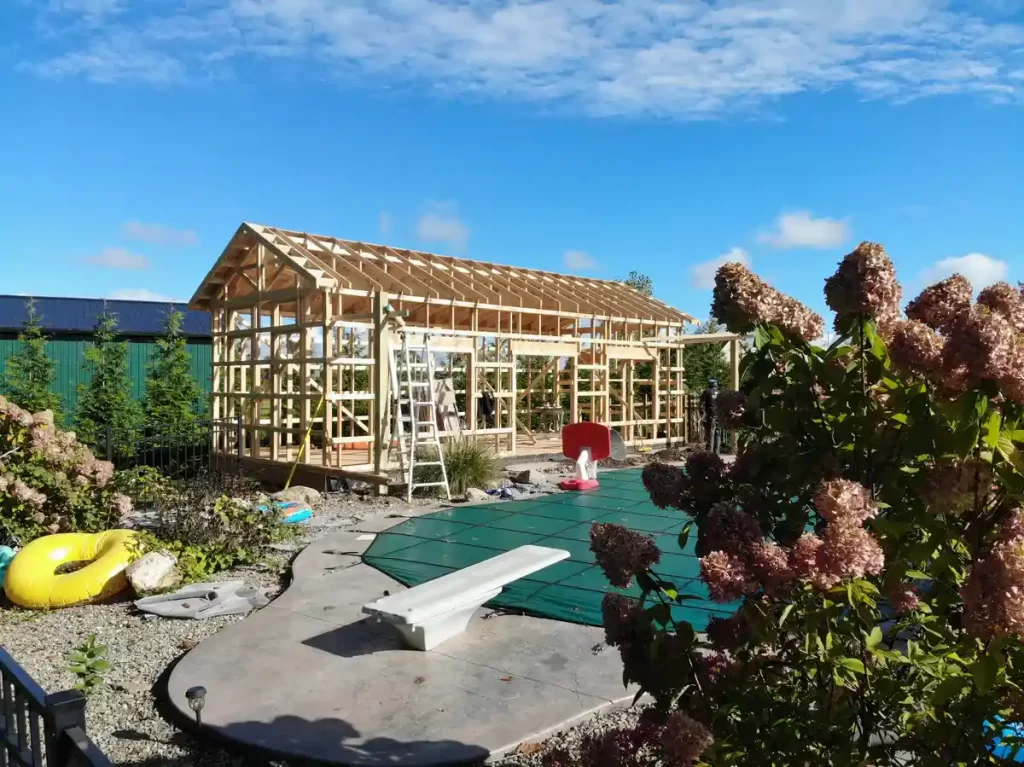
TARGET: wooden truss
(301,349)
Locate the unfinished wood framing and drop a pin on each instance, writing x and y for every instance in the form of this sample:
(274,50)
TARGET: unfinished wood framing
(301,349)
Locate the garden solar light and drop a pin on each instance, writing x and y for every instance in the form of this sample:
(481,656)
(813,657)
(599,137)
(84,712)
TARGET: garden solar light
(196,697)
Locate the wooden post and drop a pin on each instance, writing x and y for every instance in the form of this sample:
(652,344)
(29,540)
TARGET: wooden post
(734,380)
(327,380)
(381,371)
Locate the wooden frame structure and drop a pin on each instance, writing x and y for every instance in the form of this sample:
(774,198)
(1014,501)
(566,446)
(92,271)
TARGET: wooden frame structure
(301,349)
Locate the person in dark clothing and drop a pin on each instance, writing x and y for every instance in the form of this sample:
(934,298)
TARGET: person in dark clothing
(712,434)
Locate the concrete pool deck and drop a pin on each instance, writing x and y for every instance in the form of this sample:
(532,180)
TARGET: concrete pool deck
(311,677)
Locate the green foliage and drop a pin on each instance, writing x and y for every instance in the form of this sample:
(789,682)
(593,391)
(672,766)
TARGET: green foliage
(469,464)
(49,482)
(211,524)
(839,674)
(173,398)
(640,282)
(145,485)
(28,376)
(105,402)
(88,662)
(705,361)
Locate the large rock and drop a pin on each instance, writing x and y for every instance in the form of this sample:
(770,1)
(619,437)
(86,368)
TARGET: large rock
(154,571)
(301,493)
(531,477)
(476,494)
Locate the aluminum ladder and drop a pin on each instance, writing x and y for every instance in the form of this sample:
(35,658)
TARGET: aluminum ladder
(413,406)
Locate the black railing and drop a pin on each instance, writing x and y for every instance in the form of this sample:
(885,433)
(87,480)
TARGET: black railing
(180,452)
(40,730)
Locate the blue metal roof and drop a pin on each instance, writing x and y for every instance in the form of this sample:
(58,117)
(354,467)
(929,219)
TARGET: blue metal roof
(78,315)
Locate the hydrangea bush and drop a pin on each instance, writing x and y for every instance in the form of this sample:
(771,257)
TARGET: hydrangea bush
(49,482)
(870,529)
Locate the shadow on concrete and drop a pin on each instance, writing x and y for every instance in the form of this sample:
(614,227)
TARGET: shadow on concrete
(363,637)
(291,740)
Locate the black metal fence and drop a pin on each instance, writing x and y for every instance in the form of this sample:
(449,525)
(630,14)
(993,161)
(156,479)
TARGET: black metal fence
(181,452)
(40,730)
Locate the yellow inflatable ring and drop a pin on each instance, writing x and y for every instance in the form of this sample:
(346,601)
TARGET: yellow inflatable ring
(32,580)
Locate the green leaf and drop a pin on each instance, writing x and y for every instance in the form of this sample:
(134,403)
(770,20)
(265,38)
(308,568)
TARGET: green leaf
(684,535)
(660,613)
(785,614)
(761,337)
(918,574)
(1010,452)
(984,671)
(965,439)
(874,638)
(992,425)
(852,664)
(947,688)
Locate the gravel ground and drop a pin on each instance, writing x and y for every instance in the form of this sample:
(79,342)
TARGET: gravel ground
(124,716)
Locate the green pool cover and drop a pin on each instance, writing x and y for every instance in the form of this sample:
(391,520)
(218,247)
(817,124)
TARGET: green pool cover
(425,548)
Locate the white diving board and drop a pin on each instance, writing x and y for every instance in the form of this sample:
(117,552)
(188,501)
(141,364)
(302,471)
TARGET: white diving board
(435,611)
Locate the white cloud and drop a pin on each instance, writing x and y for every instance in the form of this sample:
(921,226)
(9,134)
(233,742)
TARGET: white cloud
(578,261)
(799,229)
(141,294)
(702,275)
(684,59)
(118,258)
(442,224)
(386,223)
(980,269)
(158,234)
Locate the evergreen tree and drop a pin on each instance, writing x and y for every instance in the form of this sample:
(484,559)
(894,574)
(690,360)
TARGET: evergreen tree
(28,377)
(172,400)
(106,400)
(705,361)
(640,282)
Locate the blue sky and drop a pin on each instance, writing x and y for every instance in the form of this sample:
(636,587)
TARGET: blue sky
(570,135)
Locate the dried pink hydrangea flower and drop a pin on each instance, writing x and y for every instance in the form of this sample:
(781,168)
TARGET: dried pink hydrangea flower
(770,566)
(726,527)
(685,739)
(841,500)
(621,553)
(121,505)
(953,487)
(1006,300)
(803,557)
(865,284)
(665,484)
(29,495)
(915,348)
(726,576)
(742,300)
(903,598)
(623,620)
(994,592)
(847,551)
(941,304)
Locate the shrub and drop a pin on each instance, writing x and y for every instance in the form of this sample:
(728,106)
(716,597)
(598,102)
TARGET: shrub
(469,464)
(466,462)
(49,482)
(173,397)
(870,531)
(105,404)
(28,377)
(211,524)
(145,485)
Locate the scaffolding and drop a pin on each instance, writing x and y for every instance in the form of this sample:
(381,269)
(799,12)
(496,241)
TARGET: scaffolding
(302,348)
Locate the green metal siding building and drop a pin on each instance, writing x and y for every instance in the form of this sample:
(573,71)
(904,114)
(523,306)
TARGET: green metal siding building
(69,322)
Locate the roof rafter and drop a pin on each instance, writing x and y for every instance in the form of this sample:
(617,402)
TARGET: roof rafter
(350,265)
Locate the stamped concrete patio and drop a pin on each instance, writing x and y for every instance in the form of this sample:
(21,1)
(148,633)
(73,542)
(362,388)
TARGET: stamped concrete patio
(310,677)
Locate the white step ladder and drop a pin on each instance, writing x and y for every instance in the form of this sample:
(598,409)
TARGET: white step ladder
(413,406)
